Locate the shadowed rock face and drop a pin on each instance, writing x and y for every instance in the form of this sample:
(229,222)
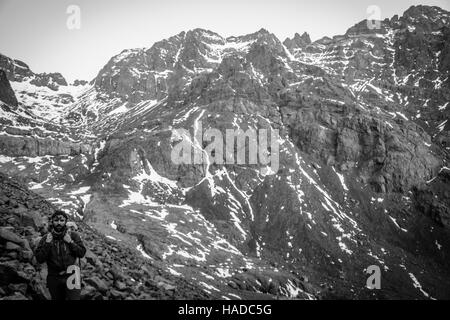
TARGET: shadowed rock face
(15,69)
(6,93)
(434,198)
(388,158)
(363,150)
(298,41)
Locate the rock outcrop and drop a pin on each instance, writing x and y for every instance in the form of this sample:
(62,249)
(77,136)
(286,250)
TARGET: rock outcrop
(298,41)
(17,70)
(6,92)
(433,199)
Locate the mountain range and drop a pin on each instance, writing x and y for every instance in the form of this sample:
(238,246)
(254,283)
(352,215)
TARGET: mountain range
(363,173)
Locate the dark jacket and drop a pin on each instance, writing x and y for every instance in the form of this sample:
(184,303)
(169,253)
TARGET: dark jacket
(59,254)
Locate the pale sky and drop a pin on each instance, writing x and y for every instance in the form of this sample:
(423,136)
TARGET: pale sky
(36,32)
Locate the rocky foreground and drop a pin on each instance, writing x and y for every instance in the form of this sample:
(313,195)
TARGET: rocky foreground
(109,270)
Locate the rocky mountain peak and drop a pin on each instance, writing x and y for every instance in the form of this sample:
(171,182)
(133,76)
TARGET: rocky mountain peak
(432,13)
(261,36)
(298,41)
(363,27)
(261,33)
(204,35)
(426,18)
(16,70)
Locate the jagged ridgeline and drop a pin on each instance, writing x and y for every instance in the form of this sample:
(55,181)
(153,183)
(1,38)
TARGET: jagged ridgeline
(363,175)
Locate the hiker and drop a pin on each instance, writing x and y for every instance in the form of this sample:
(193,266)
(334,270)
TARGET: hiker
(60,248)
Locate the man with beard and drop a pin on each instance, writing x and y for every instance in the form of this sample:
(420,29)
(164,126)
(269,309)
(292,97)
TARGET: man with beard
(60,249)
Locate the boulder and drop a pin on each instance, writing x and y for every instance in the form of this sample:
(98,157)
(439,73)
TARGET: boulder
(39,291)
(164,283)
(88,292)
(9,274)
(97,283)
(18,287)
(31,218)
(118,275)
(12,254)
(119,285)
(92,258)
(7,235)
(26,255)
(115,294)
(11,246)
(16,296)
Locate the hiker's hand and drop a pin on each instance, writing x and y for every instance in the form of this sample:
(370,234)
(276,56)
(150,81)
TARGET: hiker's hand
(67,238)
(49,238)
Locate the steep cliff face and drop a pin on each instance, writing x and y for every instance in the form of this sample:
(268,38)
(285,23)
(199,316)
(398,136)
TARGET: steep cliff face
(298,41)
(363,153)
(6,93)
